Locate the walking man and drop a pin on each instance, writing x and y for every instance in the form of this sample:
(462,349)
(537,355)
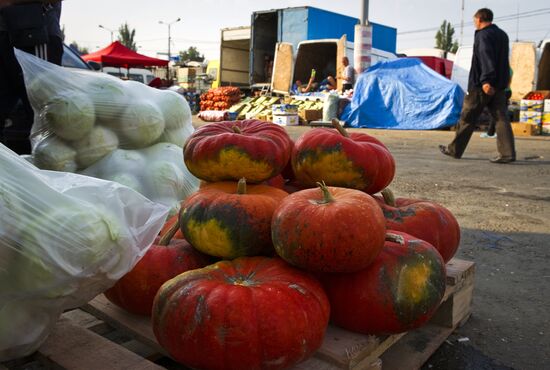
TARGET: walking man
(488,80)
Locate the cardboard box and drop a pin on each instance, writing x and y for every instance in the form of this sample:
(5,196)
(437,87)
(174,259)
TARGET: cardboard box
(530,117)
(527,103)
(286,120)
(545,117)
(525,129)
(546,108)
(284,109)
(546,129)
(311,114)
(531,105)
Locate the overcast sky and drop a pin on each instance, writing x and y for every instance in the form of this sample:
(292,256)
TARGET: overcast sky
(201,20)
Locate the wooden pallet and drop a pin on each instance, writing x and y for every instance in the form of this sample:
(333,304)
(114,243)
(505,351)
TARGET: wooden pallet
(102,336)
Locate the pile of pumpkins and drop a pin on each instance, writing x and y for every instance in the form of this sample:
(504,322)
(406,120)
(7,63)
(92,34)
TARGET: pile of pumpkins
(282,238)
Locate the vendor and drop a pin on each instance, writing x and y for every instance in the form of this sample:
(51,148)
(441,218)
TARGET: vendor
(348,75)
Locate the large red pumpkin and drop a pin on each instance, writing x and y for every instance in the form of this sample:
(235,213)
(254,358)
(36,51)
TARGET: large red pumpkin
(253,149)
(356,160)
(249,313)
(230,220)
(165,259)
(328,229)
(398,292)
(424,219)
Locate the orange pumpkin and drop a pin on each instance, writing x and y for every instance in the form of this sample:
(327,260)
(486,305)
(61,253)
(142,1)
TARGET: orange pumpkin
(230,220)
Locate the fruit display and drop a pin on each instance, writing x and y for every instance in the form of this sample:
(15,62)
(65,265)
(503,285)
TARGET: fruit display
(259,106)
(220,98)
(249,313)
(231,150)
(398,292)
(356,160)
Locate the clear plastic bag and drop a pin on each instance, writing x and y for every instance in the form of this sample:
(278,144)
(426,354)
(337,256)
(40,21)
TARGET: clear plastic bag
(81,116)
(158,172)
(64,238)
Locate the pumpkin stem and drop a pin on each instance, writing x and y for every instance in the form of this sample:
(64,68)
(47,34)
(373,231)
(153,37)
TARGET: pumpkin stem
(241,186)
(327,196)
(167,237)
(236,130)
(389,197)
(339,127)
(391,237)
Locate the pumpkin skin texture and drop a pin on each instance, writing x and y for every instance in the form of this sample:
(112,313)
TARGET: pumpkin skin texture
(358,162)
(342,234)
(220,222)
(225,151)
(424,219)
(136,290)
(398,292)
(249,313)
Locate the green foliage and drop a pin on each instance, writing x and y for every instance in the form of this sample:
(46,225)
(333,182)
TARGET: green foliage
(80,50)
(191,54)
(444,38)
(126,36)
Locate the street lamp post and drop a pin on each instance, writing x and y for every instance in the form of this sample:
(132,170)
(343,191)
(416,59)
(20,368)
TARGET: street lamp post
(169,42)
(108,30)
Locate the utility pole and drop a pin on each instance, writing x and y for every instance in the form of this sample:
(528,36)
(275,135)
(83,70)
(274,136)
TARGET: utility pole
(108,30)
(169,24)
(462,25)
(363,40)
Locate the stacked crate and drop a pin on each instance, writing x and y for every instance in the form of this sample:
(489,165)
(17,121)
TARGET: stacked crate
(531,111)
(546,117)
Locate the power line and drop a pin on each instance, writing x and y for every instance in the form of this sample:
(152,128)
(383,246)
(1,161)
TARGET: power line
(531,13)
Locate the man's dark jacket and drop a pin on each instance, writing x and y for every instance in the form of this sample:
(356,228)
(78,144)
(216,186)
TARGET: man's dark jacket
(490,59)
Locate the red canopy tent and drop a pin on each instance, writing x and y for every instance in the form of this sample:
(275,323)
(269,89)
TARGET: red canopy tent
(118,55)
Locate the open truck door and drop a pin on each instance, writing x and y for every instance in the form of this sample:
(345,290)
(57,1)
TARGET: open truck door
(340,53)
(283,68)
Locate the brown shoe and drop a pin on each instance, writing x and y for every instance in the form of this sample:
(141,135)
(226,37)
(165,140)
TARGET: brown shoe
(500,159)
(443,149)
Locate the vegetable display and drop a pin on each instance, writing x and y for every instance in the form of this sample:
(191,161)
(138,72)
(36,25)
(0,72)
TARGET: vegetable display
(95,114)
(399,291)
(356,160)
(64,238)
(230,150)
(249,313)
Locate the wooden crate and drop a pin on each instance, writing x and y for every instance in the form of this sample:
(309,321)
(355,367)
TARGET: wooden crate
(525,129)
(102,336)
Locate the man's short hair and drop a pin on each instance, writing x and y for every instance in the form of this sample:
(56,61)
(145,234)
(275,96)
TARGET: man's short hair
(484,15)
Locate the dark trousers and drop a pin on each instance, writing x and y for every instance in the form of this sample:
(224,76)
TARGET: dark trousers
(346,87)
(474,103)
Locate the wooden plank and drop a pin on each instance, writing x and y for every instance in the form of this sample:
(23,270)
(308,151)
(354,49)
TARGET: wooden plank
(72,347)
(135,325)
(318,364)
(414,349)
(453,310)
(458,269)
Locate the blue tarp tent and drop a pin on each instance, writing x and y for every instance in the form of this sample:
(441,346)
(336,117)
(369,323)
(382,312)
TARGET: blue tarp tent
(403,94)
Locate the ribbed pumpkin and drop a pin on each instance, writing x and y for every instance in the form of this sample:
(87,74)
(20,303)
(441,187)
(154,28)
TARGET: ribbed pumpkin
(249,313)
(424,219)
(398,292)
(225,151)
(229,219)
(165,259)
(328,229)
(356,160)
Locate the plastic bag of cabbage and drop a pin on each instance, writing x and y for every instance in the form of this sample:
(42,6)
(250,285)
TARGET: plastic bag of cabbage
(81,116)
(158,172)
(64,238)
